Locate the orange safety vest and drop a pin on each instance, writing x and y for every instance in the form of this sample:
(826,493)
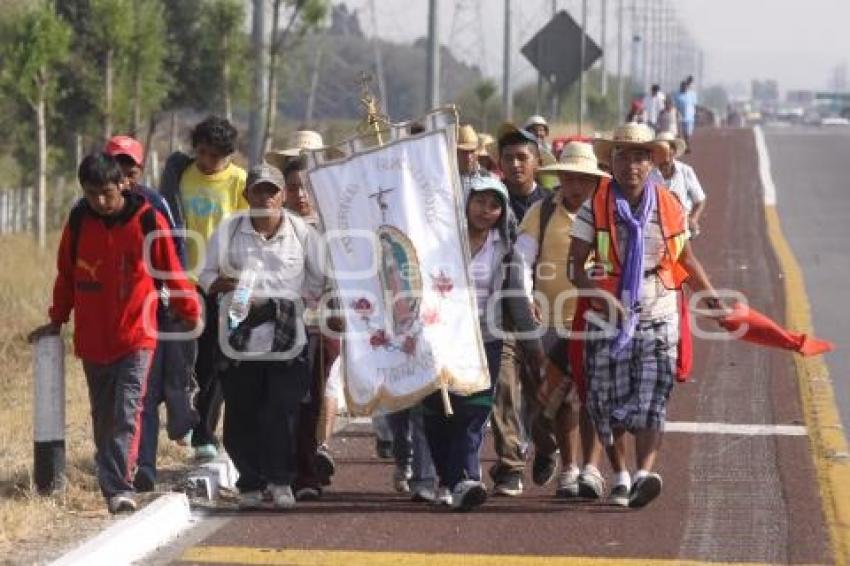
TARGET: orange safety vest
(673,229)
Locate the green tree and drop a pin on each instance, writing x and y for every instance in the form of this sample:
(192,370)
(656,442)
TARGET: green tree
(111,29)
(39,43)
(146,60)
(302,16)
(484,91)
(225,47)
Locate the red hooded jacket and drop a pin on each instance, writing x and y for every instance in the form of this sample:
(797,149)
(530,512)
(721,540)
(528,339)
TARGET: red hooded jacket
(109,288)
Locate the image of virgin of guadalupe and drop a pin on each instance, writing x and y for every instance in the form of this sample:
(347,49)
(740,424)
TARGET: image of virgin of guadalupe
(401,279)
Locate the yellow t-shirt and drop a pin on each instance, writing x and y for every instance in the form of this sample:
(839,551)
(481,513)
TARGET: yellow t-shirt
(550,277)
(207,200)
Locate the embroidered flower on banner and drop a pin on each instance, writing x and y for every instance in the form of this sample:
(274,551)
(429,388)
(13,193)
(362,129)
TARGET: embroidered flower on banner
(442,283)
(430,316)
(363,307)
(379,339)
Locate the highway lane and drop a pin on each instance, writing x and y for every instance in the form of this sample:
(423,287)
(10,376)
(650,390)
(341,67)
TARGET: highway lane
(811,171)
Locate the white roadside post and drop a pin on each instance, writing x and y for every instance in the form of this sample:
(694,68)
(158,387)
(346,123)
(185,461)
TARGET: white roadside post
(49,414)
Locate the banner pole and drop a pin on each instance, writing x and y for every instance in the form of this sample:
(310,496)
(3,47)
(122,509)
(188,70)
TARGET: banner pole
(447,403)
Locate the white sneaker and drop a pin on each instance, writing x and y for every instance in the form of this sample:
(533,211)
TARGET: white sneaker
(121,503)
(444,496)
(252,500)
(422,494)
(468,495)
(401,478)
(282,496)
(591,484)
(568,487)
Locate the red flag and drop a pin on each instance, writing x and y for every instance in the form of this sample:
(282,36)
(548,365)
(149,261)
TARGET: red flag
(761,330)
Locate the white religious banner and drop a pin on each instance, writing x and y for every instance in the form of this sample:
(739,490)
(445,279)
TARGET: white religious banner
(396,238)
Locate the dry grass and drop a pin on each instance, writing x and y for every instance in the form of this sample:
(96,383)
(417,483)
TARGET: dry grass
(26,280)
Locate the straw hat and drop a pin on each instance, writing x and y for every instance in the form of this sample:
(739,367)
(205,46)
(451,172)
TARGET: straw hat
(576,157)
(467,139)
(678,145)
(486,145)
(536,120)
(299,141)
(631,135)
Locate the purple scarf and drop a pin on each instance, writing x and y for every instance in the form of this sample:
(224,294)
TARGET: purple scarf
(632,265)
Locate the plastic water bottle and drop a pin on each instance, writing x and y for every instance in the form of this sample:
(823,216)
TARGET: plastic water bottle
(241,303)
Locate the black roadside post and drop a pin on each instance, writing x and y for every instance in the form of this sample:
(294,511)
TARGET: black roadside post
(49,414)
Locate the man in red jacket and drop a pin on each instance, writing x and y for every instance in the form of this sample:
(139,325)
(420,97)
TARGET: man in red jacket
(104,276)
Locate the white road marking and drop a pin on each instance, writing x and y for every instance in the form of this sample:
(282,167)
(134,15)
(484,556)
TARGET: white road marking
(764,168)
(695,428)
(736,429)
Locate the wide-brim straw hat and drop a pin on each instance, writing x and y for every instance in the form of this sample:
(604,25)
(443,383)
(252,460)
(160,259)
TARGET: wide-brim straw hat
(486,146)
(631,135)
(467,139)
(299,142)
(576,157)
(678,145)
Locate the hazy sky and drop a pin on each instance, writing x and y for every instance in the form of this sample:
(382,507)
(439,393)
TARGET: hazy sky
(797,43)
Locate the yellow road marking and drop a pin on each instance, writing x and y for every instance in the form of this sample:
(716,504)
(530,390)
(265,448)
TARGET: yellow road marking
(300,557)
(828,443)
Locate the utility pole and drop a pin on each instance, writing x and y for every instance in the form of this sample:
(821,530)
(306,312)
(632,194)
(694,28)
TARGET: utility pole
(583,54)
(620,84)
(260,82)
(507,86)
(604,43)
(432,91)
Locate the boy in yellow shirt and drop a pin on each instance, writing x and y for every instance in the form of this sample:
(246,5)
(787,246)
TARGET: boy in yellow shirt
(202,191)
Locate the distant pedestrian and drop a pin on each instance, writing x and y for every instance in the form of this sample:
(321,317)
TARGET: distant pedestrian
(668,119)
(653,104)
(539,127)
(686,104)
(103,276)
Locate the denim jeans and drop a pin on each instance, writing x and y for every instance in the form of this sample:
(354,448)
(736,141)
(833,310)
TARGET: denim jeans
(410,446)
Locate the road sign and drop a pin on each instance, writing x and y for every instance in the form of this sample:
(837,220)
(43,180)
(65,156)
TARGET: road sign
(555,51)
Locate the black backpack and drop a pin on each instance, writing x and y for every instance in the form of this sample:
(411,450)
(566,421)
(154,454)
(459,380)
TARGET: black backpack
(75,221)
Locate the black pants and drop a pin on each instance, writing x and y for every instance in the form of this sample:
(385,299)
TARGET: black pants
(208,399)
(262,401)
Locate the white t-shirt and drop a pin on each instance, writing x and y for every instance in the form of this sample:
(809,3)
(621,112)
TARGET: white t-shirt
(656,301)
(684,184)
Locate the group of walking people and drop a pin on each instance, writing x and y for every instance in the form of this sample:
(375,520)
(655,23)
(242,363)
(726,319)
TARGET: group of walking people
(615,227)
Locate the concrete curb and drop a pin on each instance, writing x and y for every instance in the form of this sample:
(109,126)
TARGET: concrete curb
(131,539)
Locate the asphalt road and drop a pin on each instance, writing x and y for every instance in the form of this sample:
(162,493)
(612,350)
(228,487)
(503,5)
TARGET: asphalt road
(810,170)
(736,497)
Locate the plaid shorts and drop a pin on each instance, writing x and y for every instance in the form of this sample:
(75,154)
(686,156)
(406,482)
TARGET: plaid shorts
(630,390)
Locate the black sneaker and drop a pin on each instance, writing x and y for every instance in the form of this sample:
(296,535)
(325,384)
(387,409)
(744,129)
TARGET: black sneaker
(143,483)
(619,496)
(384,449)
(308,493)
(509,484)
(325,466)
(645,490)
(544,469)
